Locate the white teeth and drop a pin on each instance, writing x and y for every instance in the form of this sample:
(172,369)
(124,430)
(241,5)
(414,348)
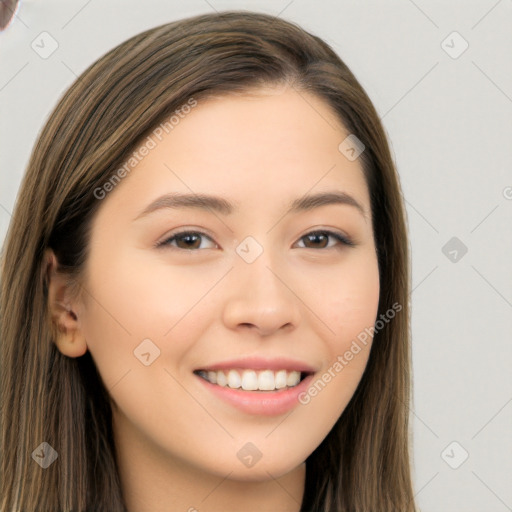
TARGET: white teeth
(293,378)
(251,380)
(234,380)
(280,379)
(266,381)
(221,379)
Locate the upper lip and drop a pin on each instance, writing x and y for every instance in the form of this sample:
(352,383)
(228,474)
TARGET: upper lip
(261,363)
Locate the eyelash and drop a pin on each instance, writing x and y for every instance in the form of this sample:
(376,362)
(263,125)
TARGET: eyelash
(342,239)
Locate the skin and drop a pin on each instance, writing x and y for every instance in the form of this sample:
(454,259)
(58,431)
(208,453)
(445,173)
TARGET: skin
(177,443)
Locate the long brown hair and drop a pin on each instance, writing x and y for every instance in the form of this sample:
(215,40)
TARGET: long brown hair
(363,464)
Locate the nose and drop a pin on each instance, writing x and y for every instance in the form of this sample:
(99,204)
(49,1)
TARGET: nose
(261,298)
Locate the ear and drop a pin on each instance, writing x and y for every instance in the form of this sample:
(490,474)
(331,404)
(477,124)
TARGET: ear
(66,325)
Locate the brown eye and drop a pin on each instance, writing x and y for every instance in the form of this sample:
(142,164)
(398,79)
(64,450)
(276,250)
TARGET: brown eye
(187,240)
(320,240)
(316,240)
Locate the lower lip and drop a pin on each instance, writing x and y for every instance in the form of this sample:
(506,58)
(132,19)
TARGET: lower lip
(262,403)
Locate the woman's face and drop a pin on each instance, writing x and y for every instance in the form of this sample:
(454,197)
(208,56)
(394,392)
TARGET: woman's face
(249,289)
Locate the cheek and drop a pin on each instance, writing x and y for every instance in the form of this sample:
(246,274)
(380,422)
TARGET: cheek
(348,305)
(136,300)
(131,304)
(346,299)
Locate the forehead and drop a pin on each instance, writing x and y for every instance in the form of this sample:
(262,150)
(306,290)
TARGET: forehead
(272,144)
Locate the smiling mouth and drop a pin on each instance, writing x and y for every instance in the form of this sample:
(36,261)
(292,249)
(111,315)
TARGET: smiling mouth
(253,380)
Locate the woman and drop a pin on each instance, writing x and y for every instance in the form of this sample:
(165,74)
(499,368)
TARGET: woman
(205,285)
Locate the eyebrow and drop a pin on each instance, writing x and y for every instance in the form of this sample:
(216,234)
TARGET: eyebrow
(224,207)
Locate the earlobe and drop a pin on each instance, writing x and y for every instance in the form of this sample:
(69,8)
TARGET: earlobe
(65,323)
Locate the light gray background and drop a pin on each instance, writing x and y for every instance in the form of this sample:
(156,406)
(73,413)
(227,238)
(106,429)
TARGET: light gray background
(450,124)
